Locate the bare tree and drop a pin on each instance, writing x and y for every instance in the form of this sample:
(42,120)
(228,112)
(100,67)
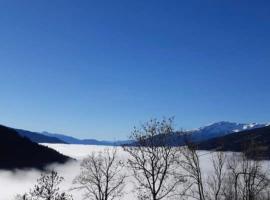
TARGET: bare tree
(47,188)
(153,160)
(101,176)
(190,163)
(250,180)
(239,176)
(216,180)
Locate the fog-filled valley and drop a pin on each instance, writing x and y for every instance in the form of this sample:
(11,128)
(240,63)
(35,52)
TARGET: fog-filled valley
(20,181)
(134,100)
(227,167)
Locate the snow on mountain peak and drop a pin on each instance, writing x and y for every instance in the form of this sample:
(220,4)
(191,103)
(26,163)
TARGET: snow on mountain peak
(223,128)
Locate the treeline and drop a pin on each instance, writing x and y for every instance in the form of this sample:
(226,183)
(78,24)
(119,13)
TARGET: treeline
(161,171)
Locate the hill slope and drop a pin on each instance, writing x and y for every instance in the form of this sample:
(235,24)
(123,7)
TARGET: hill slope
(240,140)
(20,152)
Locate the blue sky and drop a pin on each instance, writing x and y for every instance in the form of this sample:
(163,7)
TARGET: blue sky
(94,69)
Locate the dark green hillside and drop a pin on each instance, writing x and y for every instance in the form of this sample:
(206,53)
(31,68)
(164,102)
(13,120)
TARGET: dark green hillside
(240,141)
(20,152)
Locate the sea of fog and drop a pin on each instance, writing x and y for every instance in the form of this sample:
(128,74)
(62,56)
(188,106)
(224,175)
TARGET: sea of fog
(20,181)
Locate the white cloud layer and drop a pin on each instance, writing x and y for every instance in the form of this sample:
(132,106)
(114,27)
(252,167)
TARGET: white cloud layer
(20,181)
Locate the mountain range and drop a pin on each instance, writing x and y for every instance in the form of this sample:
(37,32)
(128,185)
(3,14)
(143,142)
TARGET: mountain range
(220,129)
(45,137)
(20,149)
(73,140)
(196,135)
(256,141)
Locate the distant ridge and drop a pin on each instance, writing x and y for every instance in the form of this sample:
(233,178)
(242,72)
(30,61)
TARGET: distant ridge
(238,141)
(204,133)
(38,137)
(73,140)
(20,152)
(214,130)
(221,128)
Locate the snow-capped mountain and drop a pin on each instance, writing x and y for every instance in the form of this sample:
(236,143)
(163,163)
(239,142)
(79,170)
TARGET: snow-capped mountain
(240,141)
(222,128)
(204,133)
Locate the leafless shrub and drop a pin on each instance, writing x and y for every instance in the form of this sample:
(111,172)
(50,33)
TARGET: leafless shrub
(47,188)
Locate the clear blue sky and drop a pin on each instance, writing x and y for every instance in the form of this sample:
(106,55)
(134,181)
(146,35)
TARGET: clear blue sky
(93,69)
